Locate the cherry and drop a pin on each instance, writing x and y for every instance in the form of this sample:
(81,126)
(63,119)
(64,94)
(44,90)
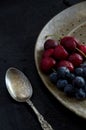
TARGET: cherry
(50,43)
(60,52)
(69,43)
(65,63)
(47,64)
(82,48)
(48,53)
(76,59)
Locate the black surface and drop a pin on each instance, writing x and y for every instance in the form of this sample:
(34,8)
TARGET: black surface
(20,23)
(71,2)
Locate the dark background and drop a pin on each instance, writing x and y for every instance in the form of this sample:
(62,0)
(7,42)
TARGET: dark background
(20,24)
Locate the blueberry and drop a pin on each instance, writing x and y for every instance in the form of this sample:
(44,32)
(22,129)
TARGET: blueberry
(61,83)
(83,65)
(79,71)
(62,72)
(80,94)
(70,77)
(79,82)
(84,72)
(53,77)
(85,88)
(69,89)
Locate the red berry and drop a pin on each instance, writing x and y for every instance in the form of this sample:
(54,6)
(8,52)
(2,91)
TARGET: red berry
(82,48)
(50,44)
(69,43)
(75,59)
(48,53)
(47,64)
(60,52)
(65,63)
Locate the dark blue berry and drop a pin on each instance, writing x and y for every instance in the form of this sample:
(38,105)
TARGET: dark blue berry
(79,82)
(62,72)
(85,88)
(84,72)
(80,94)
(53,77)
(61,83)
(79,71)
(69,89)
(83,65)
(70,77)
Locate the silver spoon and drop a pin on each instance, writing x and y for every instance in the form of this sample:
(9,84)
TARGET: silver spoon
(19,87)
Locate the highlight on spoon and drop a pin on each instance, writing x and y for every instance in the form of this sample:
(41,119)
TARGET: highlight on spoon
(18,86)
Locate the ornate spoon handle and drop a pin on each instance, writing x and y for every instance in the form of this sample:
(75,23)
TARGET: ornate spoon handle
(44,124)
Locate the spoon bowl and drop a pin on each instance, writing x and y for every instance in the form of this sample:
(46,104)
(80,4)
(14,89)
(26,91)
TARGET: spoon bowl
(19,87)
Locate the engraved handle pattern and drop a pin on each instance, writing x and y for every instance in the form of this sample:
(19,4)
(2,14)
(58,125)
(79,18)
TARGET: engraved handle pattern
(44,124)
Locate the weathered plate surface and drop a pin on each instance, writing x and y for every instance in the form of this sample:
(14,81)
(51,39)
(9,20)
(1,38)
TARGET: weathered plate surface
(71,21)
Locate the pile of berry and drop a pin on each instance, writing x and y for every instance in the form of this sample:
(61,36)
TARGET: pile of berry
(64,61)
